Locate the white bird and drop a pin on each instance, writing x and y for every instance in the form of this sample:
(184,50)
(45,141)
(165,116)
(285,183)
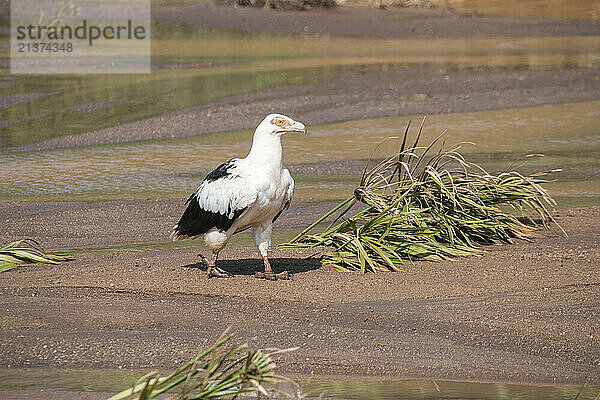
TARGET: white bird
(244,193)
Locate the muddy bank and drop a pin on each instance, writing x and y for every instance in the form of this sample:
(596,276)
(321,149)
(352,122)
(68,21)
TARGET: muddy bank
(526,312)
(393,23)
(405,90)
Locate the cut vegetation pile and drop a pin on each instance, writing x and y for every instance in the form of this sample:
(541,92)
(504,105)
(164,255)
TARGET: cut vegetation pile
(421,204)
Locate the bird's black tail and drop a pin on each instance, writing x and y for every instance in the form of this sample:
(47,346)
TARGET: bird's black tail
(177,234)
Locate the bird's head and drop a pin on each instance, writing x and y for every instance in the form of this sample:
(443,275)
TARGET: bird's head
(279,124)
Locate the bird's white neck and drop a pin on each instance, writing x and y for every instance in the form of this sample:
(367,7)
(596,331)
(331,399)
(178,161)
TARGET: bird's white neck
(266,150)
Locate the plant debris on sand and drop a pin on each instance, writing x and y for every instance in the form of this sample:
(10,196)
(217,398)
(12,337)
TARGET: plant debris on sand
(26,251)
(419,205)
(216,373)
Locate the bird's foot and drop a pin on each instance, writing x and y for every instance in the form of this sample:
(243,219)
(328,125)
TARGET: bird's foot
(268,275)
(271,276)
(218,273)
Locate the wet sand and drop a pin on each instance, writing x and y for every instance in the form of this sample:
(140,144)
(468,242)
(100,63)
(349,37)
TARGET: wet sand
(526,312)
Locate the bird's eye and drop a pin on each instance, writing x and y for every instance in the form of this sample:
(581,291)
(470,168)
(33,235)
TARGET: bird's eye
(279,122)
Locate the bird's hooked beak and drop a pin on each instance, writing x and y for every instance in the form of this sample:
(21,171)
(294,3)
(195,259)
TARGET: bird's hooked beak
(295,127)
(299,127)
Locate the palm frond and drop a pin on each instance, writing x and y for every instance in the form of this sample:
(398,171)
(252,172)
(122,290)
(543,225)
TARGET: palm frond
(421,205)
(216,373)
(26,251)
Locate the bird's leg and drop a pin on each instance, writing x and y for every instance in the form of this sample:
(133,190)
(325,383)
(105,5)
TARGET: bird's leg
(262,239)
(269,274)
(213,270)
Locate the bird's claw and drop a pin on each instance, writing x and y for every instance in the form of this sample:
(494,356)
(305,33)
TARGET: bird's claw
(218,273)
(271,276)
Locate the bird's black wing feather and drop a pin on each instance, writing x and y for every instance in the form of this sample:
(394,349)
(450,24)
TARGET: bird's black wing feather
(196,220)
(221,171)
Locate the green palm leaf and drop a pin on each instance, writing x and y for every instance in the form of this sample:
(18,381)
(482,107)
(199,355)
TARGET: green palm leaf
(217,373)
(26,251)
(427,207)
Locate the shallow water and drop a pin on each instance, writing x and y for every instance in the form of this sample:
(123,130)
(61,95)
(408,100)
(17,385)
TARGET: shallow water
(439,389)
(358,388)
(568,135)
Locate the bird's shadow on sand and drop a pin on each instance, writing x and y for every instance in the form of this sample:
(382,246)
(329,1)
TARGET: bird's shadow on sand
(250,266)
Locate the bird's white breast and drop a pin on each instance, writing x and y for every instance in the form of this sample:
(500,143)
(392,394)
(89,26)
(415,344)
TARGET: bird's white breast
(272,183)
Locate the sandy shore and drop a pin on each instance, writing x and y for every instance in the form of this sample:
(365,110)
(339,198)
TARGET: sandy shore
(526,312)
